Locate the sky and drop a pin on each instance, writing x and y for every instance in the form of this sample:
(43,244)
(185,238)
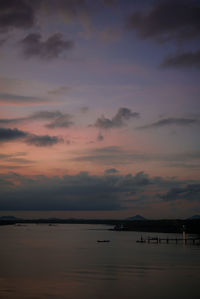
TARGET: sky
(99,108)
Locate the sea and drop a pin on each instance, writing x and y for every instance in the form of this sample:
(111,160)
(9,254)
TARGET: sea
(41,261)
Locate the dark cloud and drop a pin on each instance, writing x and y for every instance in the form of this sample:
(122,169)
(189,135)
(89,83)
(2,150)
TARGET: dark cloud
(111,171)
(79,192)
(100,137)
(45,114)
(45,140)
(16,14)
(168,20)
(87,192)
(26,14)
(114,155)
(51,48)
(184,60)
(108,150)
(190,192)
(171,121)
(7,98)
(9,167)
(118,121)
(23,14)
(58,119)
(62,121)
(7,134)
(11,134)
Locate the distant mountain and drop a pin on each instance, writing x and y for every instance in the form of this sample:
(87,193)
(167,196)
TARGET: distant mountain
(136,217)
(194,217)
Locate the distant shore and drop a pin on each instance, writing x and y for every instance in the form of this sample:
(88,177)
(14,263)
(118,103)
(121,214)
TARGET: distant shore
(160,226)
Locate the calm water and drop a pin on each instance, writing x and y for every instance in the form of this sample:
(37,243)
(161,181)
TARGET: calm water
(65,261)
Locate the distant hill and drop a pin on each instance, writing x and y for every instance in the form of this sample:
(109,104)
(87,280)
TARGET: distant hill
(136,217)
(194,217)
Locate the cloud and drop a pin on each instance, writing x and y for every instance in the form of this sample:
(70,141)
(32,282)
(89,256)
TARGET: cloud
(183,60)
(63,121)
(25,14)
(45,140)
(118,121)
(79,192)
(58,119)
(8,156)
(16,14)
(108,150)
(100,137)
(15,158)
(51,48)
(168,20)
(8,167)
(11,134)
(7,134)
(87,192)
(114,155)
(170,121)
(190,192)
(7,98)
(111,171)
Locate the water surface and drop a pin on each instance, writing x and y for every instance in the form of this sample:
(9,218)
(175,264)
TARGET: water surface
(65,261)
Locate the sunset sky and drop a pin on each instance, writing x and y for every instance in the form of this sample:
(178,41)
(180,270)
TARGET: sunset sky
(99,108)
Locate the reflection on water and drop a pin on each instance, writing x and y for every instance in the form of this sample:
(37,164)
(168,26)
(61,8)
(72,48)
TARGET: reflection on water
(65,261)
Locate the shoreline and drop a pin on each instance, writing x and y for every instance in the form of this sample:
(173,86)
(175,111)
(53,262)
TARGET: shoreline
(159,226)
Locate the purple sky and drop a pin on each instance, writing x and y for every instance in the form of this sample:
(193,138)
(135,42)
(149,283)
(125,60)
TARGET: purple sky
(99,107)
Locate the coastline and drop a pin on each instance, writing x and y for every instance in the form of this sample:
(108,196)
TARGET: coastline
(192,226)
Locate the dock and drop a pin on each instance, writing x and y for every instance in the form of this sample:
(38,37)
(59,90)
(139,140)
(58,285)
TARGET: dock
(157,240)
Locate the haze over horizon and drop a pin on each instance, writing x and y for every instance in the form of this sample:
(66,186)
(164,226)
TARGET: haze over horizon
(99,108)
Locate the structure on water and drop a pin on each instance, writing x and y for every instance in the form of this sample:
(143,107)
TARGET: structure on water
(183,239)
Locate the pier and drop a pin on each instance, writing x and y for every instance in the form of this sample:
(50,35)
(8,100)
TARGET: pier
(157,240)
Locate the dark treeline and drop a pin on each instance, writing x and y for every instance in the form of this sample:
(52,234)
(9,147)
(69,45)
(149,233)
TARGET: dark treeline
(165,226)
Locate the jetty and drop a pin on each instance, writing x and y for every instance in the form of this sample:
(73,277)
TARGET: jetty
(158,240)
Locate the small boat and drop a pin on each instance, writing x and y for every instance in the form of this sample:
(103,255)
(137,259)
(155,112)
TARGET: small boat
(103,241)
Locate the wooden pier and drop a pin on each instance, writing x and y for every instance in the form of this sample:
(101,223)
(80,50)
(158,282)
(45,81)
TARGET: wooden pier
(157,240)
